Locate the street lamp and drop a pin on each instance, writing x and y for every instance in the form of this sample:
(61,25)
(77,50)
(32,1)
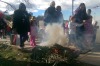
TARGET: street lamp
(72,7)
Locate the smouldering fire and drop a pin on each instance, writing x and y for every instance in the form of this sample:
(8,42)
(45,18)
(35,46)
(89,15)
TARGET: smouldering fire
(54,35)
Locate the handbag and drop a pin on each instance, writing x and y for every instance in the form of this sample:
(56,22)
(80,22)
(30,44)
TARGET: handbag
(13,39)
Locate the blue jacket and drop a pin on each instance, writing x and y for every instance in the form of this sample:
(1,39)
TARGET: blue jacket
(59,17)
(50,15)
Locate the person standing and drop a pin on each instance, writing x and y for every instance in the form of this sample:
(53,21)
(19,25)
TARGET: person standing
(72,31)
(33,32)
(21,23)
(59,15)
(2,25)
(50,14)
(95,28)
(88,34)
(80,15)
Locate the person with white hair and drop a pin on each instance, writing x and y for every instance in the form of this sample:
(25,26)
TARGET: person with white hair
(50,14)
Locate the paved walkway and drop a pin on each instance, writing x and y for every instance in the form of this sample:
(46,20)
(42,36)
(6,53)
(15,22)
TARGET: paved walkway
(92,57)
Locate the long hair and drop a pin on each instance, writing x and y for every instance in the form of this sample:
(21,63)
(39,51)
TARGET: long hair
(78,9)
(83,4)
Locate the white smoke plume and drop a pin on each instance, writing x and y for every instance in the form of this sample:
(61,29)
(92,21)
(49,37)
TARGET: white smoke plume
(54,35)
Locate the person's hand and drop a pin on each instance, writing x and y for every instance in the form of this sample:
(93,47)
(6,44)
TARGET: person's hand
(84,20)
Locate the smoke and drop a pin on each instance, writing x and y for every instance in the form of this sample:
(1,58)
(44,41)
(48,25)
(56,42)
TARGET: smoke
(54,34)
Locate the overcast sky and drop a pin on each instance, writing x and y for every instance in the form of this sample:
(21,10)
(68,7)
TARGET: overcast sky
(38,6)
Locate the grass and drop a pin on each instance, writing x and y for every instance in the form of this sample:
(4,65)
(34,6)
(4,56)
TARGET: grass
(12,56)
(9,52)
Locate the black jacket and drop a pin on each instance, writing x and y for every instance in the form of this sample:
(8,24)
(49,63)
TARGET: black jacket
(21,21)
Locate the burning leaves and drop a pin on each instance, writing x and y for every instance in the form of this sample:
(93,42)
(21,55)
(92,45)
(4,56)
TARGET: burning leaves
(53,54)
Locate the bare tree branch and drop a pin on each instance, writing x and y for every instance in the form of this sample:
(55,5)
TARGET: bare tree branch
(9,4)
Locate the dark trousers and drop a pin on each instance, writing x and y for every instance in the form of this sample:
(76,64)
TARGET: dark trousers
(23,38)
(80,38)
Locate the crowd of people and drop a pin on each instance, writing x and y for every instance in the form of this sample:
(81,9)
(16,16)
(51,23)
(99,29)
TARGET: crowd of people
(79,28)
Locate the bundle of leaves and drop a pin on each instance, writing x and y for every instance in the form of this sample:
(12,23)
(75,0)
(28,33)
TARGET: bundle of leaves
(38,53)
(54,53)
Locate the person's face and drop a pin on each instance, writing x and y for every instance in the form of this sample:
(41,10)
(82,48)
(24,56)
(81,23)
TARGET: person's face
(82,7)
(23,9)
(53,4)
(59,9)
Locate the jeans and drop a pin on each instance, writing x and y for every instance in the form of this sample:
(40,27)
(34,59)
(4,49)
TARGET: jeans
(23,38)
